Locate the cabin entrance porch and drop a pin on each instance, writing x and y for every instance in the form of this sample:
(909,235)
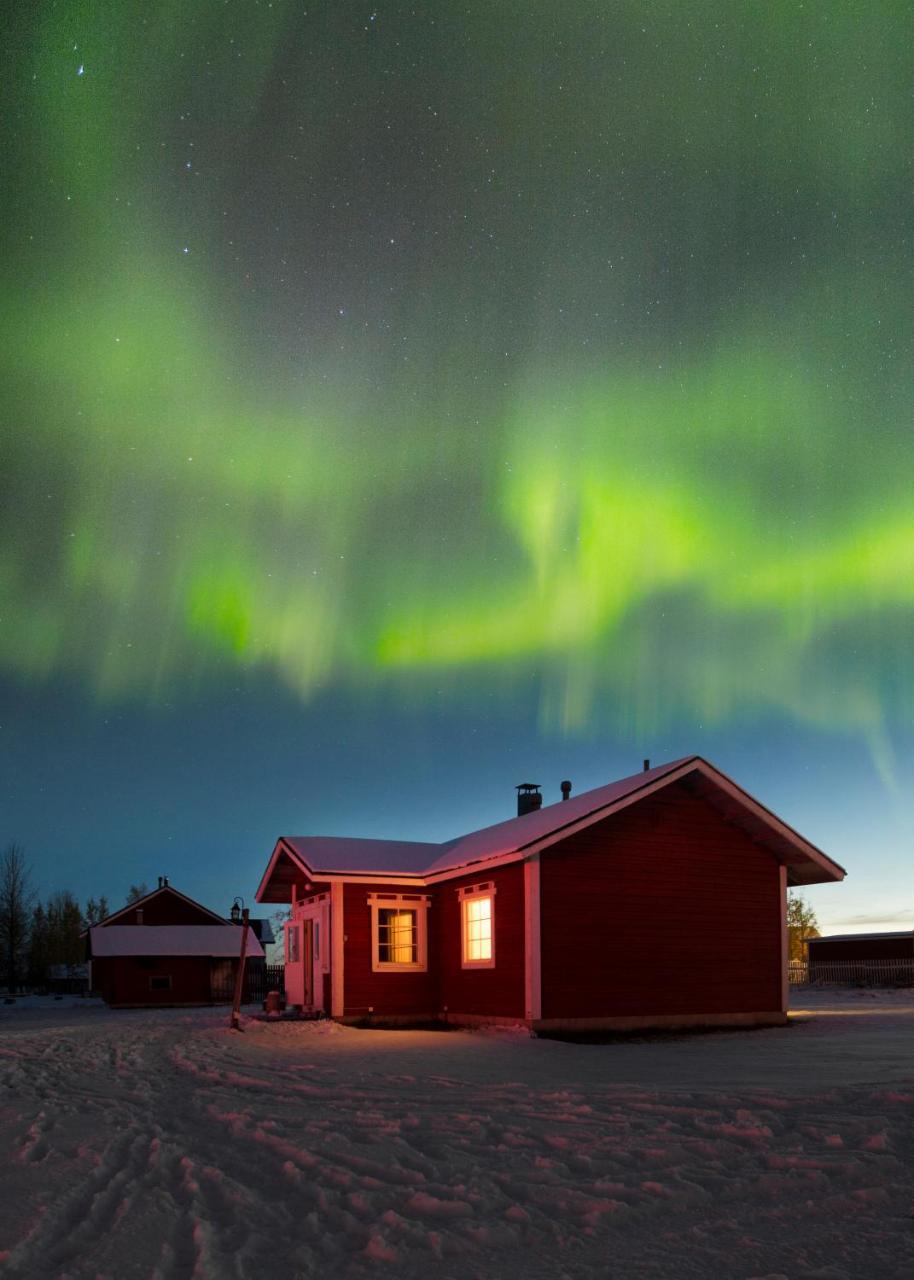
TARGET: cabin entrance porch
(305,953)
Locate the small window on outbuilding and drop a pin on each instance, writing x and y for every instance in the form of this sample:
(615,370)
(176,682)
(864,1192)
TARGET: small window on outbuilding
(160,982)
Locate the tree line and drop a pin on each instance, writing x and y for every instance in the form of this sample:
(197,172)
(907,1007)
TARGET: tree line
(36,935)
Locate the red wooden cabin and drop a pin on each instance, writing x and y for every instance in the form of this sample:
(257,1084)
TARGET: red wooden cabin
(165,949)
(659,900)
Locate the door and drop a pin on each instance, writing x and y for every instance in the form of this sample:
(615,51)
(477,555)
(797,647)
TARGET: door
(221,980)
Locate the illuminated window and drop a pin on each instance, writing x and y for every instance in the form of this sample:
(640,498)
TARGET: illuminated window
(477,926)
(398,936)
(398,932)
(292,952)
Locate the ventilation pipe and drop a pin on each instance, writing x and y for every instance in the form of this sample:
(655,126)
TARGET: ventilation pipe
(647,765)
(566,789)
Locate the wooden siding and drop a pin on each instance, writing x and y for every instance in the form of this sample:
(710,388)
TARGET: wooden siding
(366,993)
(664,908)
(863,948)
(164,908)
(124,980)
(496,992)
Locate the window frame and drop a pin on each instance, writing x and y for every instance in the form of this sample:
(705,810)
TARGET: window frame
(293,928)
(416,902)
(160,982)
(473,893)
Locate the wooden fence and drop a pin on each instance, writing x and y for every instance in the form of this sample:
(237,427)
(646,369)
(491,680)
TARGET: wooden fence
(258,980)
(852,973)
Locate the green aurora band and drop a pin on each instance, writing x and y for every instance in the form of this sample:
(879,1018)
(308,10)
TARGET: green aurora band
(633,415)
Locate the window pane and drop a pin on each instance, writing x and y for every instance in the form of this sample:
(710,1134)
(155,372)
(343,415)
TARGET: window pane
(478,929)
(292,944)
(398,941)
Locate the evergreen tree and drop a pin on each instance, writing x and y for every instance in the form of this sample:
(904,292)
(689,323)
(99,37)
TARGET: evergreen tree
(95,911)
(64,928)
(38,948)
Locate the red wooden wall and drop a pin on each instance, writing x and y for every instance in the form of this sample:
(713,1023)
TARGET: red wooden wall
(125,979)
(664,908)
(496,992)
(165,908)
(412,992)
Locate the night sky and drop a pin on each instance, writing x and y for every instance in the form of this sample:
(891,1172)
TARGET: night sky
(402,402)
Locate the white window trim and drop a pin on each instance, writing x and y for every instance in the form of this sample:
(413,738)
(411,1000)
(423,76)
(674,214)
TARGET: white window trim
(317,909)
(471,893)
(403,902)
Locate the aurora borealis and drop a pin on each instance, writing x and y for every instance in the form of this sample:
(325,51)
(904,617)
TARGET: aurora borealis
(538,372)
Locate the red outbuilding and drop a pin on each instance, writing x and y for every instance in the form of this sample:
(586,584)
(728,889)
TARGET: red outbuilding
(165,949)
(656,901)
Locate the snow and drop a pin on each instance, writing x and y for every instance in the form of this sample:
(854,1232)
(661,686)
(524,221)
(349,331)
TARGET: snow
(326,855)
(171,940)
(159,1144)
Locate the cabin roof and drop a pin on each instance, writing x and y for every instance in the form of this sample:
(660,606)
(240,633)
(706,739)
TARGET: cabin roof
(167,890)
(319,857)
(861,937)
(216,940)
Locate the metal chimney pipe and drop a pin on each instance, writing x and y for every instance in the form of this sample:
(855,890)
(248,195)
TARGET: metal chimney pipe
(529,798)
(647,765)
(566,789)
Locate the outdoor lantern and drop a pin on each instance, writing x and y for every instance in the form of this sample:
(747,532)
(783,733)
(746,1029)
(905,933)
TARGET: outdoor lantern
(235,912)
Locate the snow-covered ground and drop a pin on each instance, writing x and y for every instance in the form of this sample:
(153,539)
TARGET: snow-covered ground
(162,1145)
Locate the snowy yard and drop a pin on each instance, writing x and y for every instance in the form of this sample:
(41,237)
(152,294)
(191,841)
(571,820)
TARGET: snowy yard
(163,1145)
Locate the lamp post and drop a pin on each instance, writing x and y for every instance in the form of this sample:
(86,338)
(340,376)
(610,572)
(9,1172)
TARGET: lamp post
(235,1020)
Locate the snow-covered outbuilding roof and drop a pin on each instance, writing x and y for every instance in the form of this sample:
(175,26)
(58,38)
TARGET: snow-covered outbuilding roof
(322,857)
(216,940)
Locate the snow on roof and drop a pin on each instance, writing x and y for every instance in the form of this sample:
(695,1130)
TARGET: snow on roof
(343,853)
(336,855)
(171,940)
(530,828)
(515,837)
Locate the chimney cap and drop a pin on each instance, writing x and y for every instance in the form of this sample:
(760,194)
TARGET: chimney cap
(528,786)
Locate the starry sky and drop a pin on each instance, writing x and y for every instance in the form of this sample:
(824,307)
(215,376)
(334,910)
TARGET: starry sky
(404,401)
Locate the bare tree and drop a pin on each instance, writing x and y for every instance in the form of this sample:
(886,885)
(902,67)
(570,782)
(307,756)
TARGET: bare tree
(16,899)
(137,891)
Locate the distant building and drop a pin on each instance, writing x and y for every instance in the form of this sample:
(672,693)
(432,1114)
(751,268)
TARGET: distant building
(655,901)
(165,949)
(859,947)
